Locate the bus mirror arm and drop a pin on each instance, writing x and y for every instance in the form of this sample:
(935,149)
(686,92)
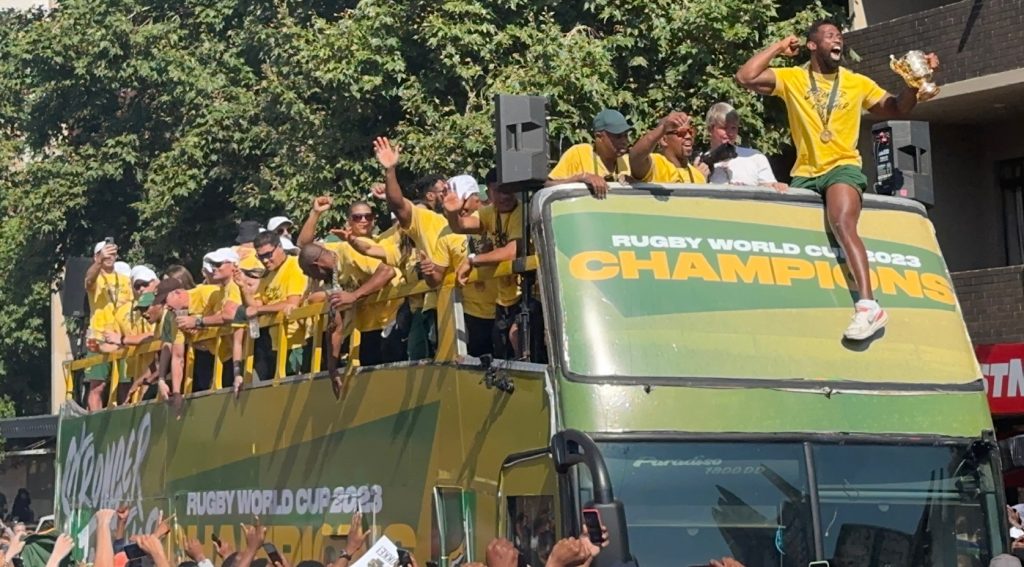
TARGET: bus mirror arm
(570,448)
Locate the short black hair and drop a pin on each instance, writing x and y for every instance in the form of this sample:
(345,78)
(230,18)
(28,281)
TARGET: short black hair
(267,237)
(492,176)
(424,184)
(812,30)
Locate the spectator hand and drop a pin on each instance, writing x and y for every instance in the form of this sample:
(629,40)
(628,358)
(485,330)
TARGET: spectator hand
(62,547)
(104,517)
(377,190)
(321,204)
(186,323)
(15,546)
(702,167)
(112,337)
(152,545)
(462,272)
(427,266)
(224,549)
(255,535)
(108,252)
(569,552)
(780,187)
(386,154)
(674,121)
(726,562)
(356,535)
(790,46)
(598,186)
(452,203)
(344,233)
(163,527)
(501,553)
(342,299)
(251,311)
(194,549)
(933,61)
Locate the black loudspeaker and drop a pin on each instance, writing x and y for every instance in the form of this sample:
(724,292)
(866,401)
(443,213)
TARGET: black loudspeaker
(72,294)
(521,141)
(903,160)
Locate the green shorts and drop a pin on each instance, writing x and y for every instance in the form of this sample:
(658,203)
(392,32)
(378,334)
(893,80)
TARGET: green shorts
(101,373)
(847,174)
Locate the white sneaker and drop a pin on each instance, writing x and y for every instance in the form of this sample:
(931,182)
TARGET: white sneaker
(866,322)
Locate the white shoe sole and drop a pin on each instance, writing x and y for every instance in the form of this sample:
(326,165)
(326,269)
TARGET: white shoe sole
(871,330)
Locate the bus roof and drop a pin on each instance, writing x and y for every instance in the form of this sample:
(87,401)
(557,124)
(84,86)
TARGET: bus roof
(691,284)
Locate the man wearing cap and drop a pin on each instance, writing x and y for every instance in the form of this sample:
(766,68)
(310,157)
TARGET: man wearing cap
(280,290)
(674,134)
(171,300)
(131,327)
(281,225)
(601,162)
(247,261)
(478,298)
(107,291)
(220,309)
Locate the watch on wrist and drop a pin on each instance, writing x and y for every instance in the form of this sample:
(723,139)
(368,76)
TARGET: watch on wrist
(472,258)
(199,323)
(345,555)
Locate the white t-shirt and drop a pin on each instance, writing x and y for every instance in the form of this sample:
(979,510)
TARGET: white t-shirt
(749,167)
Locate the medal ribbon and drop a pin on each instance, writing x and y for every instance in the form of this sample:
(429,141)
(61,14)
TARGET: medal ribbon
(831,97)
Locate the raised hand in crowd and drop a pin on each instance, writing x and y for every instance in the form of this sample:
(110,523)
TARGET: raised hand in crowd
(572,552)
(255,536)
(790,46)
(194,549)
(429,270)
(322,204)
(61,548)
(224,549)
(123,512)
(377,190)
(386,154)
(502,553)
(14,548)
(356,535)
(163,527)
(104,545)
(154,548)
(702,167)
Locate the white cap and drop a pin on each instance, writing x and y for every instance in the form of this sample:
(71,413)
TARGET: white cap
(122,268)
(275,222)
(142,273)
(99,246)
(464,185)
(287,244)
(221,255)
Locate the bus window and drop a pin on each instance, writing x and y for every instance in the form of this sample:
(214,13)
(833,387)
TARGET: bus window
(451,533)
(527,488)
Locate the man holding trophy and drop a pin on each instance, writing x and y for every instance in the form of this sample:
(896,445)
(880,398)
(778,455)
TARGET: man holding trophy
(824,103)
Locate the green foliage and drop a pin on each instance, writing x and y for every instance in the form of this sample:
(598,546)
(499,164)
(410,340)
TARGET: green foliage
(161,123)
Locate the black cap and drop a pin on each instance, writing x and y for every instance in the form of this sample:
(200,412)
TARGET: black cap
(247,231)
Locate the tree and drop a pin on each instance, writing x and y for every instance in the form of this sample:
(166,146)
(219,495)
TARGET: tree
(161,123)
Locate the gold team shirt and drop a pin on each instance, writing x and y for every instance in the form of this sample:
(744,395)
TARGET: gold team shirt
(354,270)
(497,230)
(276,287)
(664,171)
(425,230)
(582,158)
(478,298)
(199,298)
(805,109)
(221,296)
(130,323)
(403,258)
(107,294)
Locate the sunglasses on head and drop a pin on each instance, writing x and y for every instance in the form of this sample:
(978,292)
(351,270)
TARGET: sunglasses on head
(361,216)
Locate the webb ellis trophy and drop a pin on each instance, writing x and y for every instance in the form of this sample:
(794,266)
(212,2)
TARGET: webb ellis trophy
(914,69)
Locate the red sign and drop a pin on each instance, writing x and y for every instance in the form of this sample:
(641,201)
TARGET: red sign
(1004,377)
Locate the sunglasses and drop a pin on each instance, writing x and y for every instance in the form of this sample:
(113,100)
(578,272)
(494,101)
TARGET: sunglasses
(139,284)
(361,216)
(267,255)
(281,231)
(216,265)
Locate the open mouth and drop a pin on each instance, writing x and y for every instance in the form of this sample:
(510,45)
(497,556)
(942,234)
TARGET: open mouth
(836,52)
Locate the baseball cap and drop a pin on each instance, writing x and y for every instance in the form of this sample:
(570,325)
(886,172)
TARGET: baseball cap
(247,231)
(611,121)
(142,273)
(275,222)
(1004,560)
(464,185)
(222,255)
(147,299)
(122,268)
(99,246)
(166,286)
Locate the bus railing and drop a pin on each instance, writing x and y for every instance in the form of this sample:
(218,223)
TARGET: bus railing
(450,333)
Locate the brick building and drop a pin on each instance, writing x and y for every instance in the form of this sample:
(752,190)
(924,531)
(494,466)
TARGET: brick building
(977,169)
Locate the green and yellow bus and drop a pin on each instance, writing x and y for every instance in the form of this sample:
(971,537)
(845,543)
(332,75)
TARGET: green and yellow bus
(699,395)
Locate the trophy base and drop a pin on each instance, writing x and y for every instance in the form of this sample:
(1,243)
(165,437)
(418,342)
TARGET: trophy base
(927,91)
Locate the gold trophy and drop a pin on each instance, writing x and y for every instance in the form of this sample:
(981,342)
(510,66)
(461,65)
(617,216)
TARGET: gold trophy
(914,69)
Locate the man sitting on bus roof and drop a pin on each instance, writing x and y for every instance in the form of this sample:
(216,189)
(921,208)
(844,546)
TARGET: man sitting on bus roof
(674,135)
(598,163)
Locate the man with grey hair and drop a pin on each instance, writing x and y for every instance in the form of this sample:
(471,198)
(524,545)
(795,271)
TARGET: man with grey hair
(742,166)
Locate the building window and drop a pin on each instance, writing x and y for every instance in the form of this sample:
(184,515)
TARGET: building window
(1010,174)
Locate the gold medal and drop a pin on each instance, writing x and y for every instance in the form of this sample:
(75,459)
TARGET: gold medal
(826,135)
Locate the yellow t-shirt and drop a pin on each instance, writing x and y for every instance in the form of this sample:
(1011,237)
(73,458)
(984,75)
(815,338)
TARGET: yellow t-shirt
(130,323)
(497,230)
(276,287)
(354,270)
(426,229)
(199,298)
(401,253)
(478,298)
(108,291)
(805,109)
(581,158)
(664,171)
(220,296)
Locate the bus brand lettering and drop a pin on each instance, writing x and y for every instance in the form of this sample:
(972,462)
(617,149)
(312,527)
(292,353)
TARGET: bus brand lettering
(698,461)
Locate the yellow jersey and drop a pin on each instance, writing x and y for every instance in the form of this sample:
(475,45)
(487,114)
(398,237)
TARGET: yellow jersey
(582,158)
(276,287)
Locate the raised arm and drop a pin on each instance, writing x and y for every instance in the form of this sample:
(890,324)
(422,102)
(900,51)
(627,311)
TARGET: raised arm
(388,155)
(899,106)
(756,74)
(640,153)
(93,271)
(308,232)
(380,278)
(364,246)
